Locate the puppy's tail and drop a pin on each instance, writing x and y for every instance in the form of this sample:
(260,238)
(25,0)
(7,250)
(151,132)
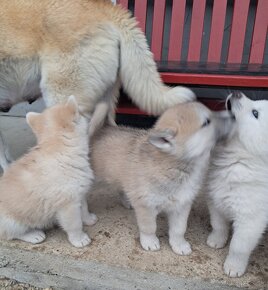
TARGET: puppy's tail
(138,71)
(100,115)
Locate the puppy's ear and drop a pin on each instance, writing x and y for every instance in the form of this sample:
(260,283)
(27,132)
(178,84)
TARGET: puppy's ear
(163,139)
(73,106)
(35,121)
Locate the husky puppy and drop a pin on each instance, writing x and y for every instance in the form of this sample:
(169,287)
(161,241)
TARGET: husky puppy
(237,184)
(87,48)
(49,184)
(160,170)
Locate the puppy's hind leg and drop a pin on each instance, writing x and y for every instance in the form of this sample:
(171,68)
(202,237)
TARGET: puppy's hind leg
(245,238)
(146,218)
(220,229)
(70,219)
(5,158)
(88,218)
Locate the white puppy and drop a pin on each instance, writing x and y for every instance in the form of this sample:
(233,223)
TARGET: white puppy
(238,183)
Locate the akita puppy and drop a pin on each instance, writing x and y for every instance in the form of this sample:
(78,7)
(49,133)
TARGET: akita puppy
(160,170)
(237,183)
(87,48)
(49,184)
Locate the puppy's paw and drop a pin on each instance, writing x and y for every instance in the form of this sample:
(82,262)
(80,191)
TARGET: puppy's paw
(33,237)
(181,248)
(234,267)
(90,219)
(149,242)
(80,241)
(216,240)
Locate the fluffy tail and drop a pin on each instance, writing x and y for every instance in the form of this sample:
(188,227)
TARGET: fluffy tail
(139,74)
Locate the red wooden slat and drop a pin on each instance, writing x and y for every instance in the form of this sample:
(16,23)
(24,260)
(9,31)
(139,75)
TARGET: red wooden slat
(196,32)
(140,13)
(238,31)
(217,29)
(176,30)
(260,33)
(123,3)
(216,80)
(158,28)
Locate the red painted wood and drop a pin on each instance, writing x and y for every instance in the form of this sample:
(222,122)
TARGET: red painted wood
(176,30)
(217,80)
(217,29)
(238,31)
(123,3)
(158,28)
(259,33)
(140,13)
(196,32)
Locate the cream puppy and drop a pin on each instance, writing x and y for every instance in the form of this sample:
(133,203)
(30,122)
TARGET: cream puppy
(48,185)
(160,170)
(237,184)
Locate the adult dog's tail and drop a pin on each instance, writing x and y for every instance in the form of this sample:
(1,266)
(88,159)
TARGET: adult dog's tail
(139,74)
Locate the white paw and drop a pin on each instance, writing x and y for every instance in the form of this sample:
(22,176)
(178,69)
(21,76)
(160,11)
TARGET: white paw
(181,248)
(80,241)
(149,242)
(234,267)
(34,237)
(216,240)
(90,219)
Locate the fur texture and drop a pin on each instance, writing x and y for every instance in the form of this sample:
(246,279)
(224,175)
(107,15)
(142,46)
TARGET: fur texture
(87,48)
(49,184)
(237,187)
(160,170)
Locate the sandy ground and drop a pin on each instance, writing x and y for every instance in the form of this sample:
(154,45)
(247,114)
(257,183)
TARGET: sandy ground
(115,236)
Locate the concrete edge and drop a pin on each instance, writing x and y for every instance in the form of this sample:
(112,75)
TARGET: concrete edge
(61,272)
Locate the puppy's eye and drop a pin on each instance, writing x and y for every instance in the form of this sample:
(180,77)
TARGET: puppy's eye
(255,113)
(206,123)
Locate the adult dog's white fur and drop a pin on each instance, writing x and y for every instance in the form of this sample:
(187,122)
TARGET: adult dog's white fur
(49,184)
(86,48)
(238,184)
(160,170)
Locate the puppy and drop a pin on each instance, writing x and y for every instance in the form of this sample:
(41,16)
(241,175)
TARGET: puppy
(160,170)
(55,48)
(237,184)
(49,184)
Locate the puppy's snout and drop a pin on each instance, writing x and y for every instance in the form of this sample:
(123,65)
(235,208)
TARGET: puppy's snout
(237,95)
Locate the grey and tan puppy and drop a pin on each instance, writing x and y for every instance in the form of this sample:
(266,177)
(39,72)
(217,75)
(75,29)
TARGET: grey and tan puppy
(160,170)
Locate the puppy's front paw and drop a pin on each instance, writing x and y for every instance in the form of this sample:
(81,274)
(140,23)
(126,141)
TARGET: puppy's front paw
(216,240)
(90,219)
(149,242)
(181,248)
(33,237)
(80,241)
(234,267)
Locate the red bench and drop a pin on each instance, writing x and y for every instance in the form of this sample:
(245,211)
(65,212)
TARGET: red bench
(208,53)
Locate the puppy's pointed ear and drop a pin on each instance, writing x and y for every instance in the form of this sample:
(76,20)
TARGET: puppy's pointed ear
(35,121)
(163,139)
(73,106)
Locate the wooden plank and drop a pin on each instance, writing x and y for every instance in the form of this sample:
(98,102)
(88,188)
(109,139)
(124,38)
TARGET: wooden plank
(123,3)
(176,30)
(259,33)
(238,31)
(140,11)
(217,30)
(216,80)
(196,33)
(158,28)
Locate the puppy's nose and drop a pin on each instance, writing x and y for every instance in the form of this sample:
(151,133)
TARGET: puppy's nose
(237,95)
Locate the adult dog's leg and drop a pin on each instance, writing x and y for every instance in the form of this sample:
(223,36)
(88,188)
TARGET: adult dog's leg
(5,157)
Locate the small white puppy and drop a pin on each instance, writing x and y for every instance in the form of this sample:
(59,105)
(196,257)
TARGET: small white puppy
(238,183)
